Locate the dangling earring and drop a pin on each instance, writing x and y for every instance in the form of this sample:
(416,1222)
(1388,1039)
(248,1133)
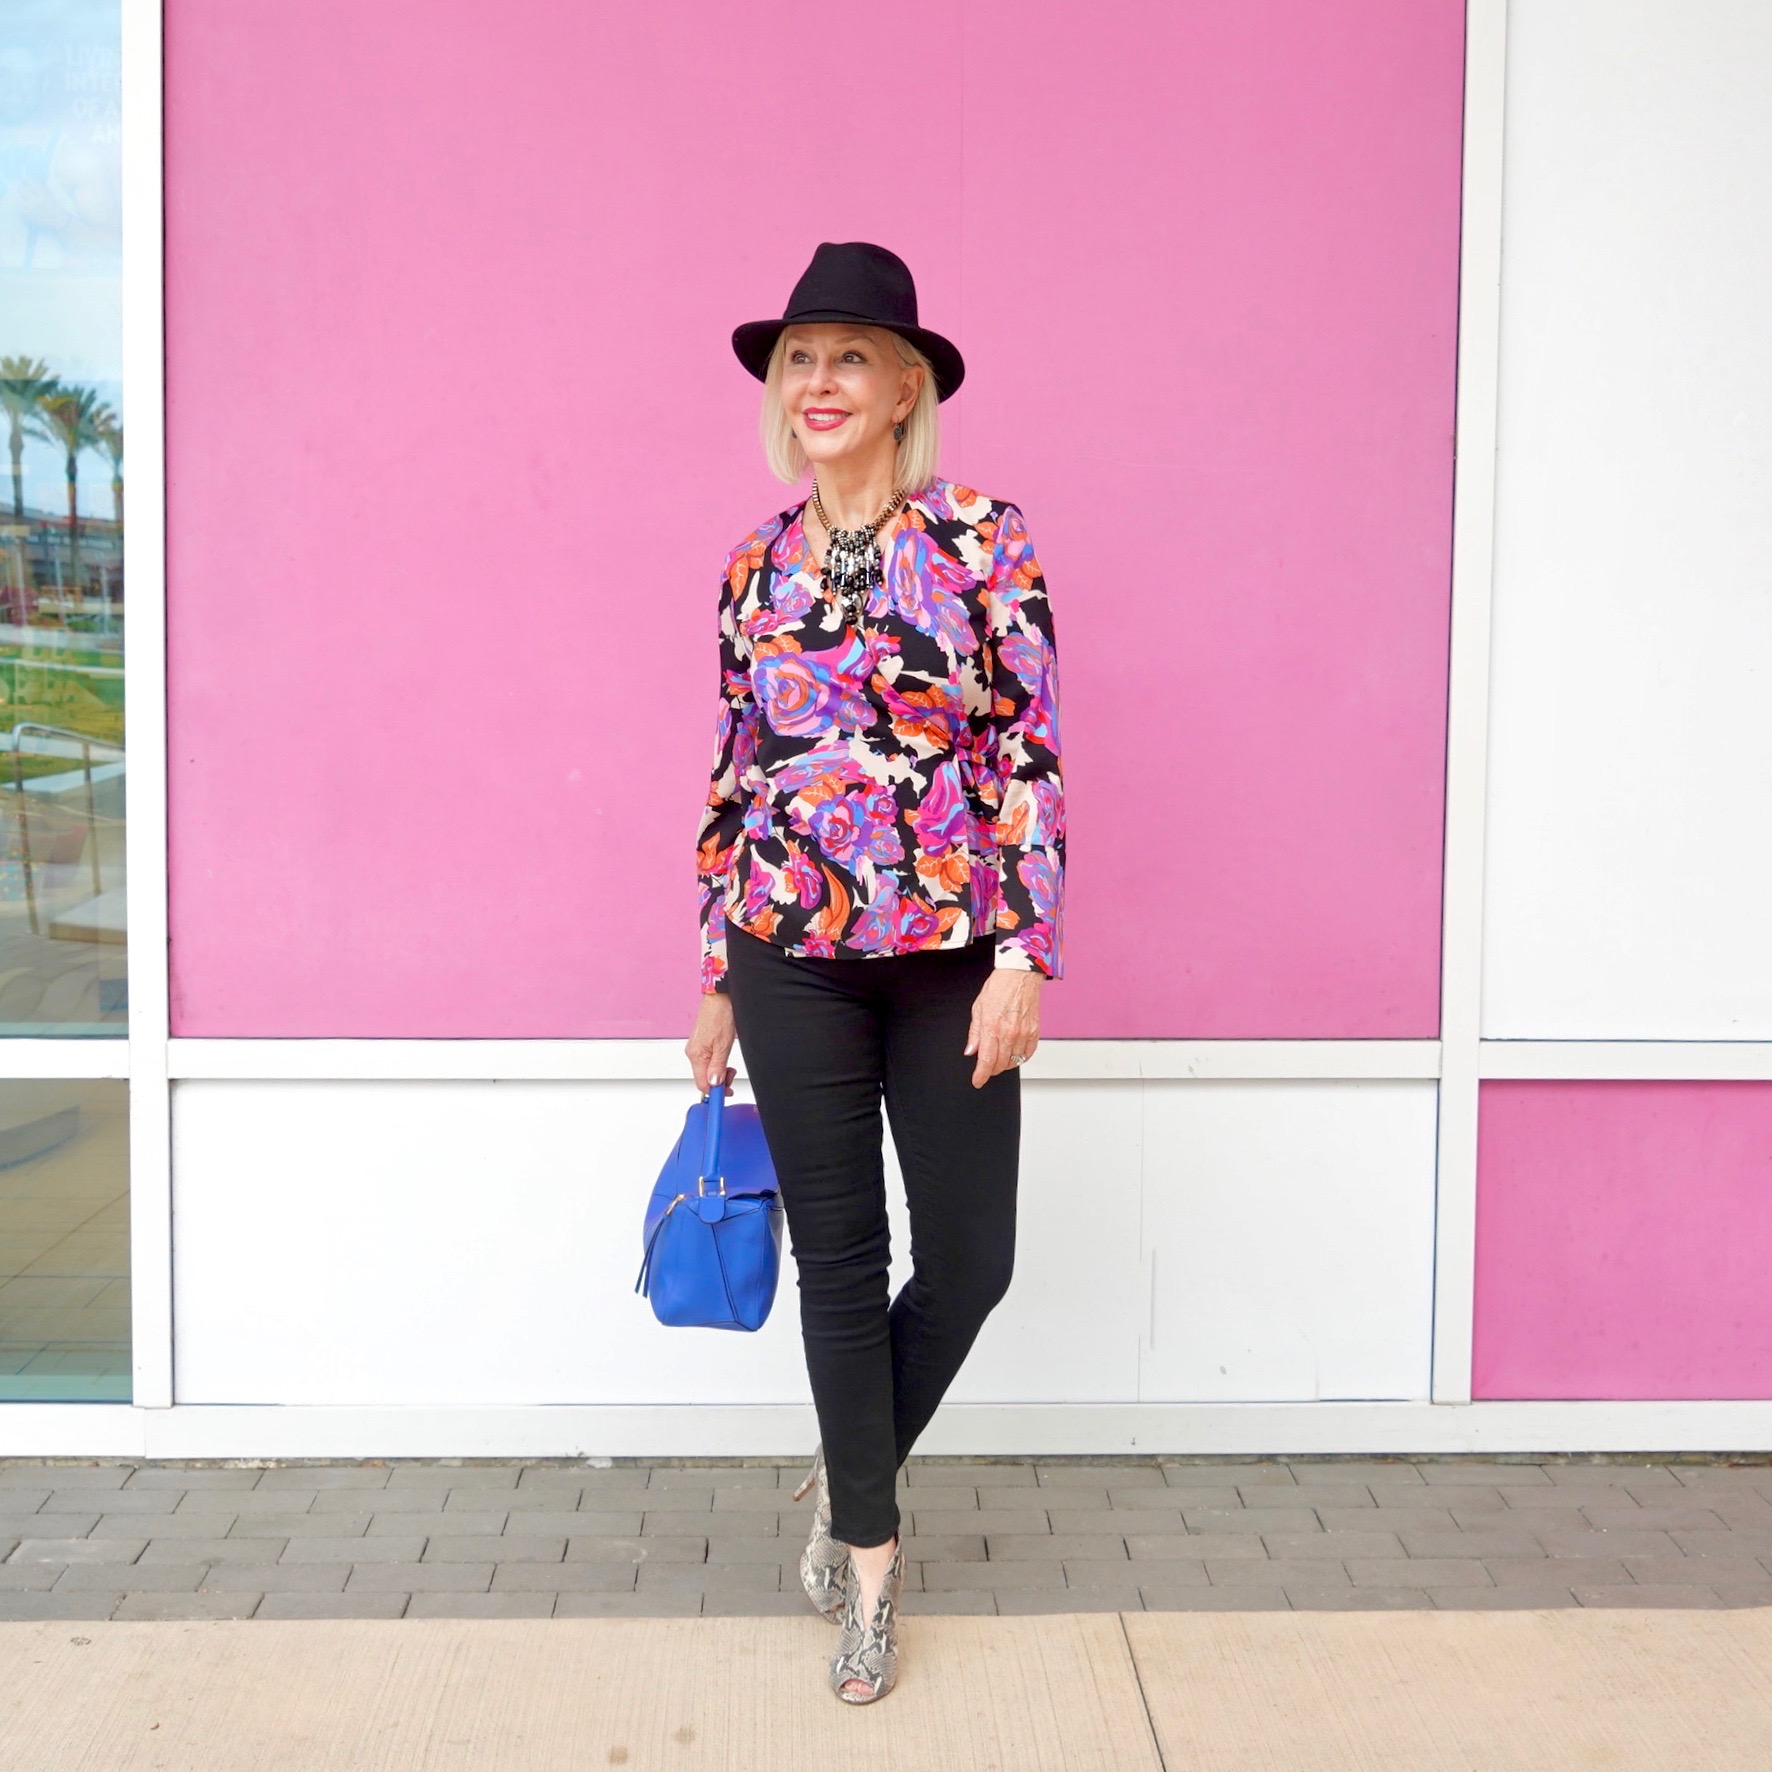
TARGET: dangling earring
(898,432)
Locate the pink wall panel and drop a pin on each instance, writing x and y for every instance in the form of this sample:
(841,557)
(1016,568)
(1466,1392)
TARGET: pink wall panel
(457,446)
(1624,1236)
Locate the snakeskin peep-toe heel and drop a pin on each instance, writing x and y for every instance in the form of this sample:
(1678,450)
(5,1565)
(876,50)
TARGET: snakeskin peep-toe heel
(824,1562)
(868,1652)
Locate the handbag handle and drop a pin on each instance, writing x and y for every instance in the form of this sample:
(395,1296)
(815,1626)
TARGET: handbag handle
(710,1150)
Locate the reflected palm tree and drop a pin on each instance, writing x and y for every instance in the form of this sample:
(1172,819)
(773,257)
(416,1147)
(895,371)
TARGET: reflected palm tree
(73,416)
(25,383)
(110,440)
(110,436)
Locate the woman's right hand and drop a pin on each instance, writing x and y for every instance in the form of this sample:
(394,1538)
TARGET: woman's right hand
(711,1043)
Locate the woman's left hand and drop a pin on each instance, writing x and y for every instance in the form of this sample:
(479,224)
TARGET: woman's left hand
(1005,1022)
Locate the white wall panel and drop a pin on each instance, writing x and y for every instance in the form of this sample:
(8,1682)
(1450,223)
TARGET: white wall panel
(1290,1230)
(1630,810)
(473,1244)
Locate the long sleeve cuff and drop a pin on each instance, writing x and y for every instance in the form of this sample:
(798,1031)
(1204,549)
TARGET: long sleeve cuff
(1035,941)
(713,939)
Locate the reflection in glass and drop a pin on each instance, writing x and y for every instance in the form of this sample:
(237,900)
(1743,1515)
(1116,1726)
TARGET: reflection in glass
(62,953)
(64,1242)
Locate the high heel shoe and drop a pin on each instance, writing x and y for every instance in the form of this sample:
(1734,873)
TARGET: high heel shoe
(869,1652)
(824,1562)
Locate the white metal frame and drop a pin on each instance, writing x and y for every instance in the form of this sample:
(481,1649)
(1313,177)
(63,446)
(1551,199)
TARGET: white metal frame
(1458,1060)
(617,1061)
(144,368)
(261,1432)
(1467,695)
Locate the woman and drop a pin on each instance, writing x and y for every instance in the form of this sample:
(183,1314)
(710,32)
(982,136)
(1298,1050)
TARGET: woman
(881,867)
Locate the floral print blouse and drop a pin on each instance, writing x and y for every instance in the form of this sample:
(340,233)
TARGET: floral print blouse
(896,789)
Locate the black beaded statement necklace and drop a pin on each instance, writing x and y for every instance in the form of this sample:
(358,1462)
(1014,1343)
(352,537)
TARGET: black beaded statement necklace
(852,556)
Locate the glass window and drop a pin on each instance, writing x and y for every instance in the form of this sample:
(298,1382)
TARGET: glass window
(64,1242)
(64,1143)
(62,950)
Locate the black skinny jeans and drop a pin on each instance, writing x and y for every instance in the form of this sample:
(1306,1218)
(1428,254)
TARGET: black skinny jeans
(823,1039)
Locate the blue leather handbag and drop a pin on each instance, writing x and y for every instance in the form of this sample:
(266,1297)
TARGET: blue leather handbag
(713,1225)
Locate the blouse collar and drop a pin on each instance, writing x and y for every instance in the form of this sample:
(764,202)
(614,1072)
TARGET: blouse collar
(919,499)
(794,531)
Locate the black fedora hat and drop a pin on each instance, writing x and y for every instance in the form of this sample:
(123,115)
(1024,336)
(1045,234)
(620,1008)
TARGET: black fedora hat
(856,281)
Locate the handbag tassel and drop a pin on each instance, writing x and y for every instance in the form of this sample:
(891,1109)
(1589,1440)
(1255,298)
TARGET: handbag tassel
(642,1285)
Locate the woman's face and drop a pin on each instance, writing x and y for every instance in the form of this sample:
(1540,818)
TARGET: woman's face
(843,389)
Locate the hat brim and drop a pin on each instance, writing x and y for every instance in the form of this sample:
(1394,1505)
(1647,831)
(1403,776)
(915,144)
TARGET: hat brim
(756,339)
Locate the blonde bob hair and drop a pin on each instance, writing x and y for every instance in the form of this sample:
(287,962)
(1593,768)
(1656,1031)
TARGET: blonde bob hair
(917,454)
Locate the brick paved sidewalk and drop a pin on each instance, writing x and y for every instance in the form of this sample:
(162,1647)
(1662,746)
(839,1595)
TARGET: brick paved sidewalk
(554,1538)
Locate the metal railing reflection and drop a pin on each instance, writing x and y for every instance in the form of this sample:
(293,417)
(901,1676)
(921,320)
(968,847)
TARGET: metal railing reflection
(90,844)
